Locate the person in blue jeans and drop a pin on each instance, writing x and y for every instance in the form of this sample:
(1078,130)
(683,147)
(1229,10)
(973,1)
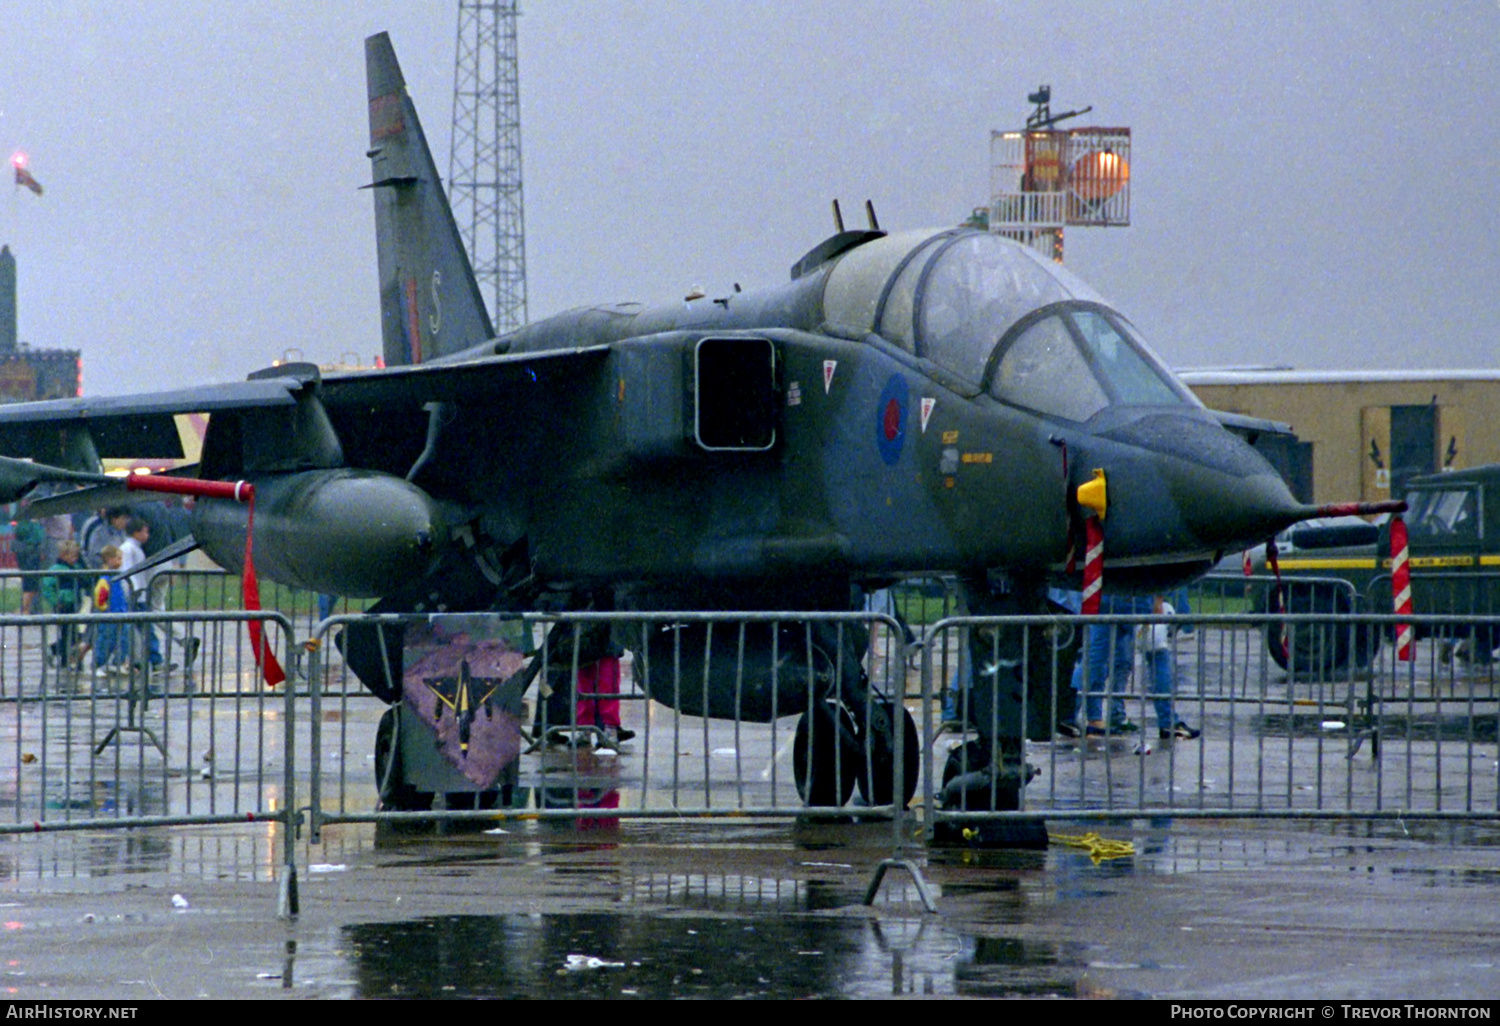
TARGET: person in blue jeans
(1108,654)
(138,587)
(1156,646)
(1181,604)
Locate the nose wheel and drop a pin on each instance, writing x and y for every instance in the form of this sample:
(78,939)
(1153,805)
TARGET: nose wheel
(399,794)
(976,779)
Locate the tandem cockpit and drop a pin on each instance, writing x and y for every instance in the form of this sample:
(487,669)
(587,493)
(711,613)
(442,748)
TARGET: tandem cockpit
(997,318)
(997,322)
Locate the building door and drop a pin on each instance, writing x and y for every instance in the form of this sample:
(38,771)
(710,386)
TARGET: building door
(1414,444)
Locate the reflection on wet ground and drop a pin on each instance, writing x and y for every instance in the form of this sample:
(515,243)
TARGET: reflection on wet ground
(756,909)
(598,955)
(603,955)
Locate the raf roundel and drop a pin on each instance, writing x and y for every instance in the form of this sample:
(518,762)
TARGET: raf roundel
(890,419)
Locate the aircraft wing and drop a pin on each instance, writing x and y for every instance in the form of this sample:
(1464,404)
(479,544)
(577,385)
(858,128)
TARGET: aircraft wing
(77,433)
(472,380)
(126,426)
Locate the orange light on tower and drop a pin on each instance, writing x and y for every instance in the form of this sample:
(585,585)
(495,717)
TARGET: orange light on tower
(1044,179)
(1099,175)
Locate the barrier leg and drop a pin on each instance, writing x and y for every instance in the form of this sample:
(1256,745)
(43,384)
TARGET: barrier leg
(916,875)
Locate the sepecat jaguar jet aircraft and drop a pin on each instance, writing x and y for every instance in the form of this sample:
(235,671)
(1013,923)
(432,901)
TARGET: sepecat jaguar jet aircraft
(909,403)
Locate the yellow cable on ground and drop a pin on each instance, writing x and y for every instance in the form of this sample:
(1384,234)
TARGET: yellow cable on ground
(1099,848)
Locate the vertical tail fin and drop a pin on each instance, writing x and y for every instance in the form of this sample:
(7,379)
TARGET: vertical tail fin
(430,304)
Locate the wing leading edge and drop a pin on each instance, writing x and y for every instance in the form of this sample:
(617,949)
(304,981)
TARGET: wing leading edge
(77,433)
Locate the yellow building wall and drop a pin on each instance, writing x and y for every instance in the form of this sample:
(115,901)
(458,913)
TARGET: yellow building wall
(1342,418)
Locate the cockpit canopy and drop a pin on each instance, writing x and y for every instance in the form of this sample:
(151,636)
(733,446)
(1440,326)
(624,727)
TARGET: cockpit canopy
(1000,316)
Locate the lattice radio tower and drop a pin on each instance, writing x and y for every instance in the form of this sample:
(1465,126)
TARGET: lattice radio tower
(484,164)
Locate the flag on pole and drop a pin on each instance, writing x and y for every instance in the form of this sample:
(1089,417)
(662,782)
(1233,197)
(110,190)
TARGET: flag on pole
(23,176)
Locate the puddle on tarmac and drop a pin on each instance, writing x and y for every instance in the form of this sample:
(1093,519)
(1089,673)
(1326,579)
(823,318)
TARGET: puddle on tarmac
(1395,726)
(718,957)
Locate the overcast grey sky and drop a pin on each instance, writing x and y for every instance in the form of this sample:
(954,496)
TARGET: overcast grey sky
(1315,183)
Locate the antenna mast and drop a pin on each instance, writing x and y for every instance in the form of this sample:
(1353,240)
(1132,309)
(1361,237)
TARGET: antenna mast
(484,162)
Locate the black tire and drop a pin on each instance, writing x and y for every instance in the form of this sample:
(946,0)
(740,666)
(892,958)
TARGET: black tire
(482,800)
(882,760)
(967,757)
(835,755)
(975,757)
(396,795)
(507,794)
(1316,651)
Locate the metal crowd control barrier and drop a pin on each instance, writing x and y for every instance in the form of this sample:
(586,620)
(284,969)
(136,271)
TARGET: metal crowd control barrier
(794,696)
(101,729)
(1369,738)
(176,589)
(1464,593)
(754,672)
(737,716)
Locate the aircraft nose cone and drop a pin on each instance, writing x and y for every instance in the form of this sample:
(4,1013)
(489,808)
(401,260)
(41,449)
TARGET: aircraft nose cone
(1242,512)
(1190,485)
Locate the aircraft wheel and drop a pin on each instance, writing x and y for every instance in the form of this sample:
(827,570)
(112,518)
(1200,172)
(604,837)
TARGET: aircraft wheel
(882,745)
(825,775)
(508,794)
(463,801)
(983,790)
(396,795)
(968,769)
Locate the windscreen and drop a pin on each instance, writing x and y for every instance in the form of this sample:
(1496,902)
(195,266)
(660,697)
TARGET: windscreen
(1448,515)
(1129,372)
(1044,370)
(1072,360)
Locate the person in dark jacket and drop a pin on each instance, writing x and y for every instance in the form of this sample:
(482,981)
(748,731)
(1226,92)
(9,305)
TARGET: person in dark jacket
(29,545)
(63,591)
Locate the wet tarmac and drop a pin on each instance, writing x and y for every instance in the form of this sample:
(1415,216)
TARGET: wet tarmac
(1202,909)
(745,906)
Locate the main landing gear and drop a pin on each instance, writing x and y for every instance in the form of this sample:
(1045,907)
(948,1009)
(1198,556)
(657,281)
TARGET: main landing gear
(833,752)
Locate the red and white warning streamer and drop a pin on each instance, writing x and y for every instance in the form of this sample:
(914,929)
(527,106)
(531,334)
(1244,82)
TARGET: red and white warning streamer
(1278,596)
(1401,586)
(1093,565)
(239,491)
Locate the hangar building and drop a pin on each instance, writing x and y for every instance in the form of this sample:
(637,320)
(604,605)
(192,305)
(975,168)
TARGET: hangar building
(1363,434)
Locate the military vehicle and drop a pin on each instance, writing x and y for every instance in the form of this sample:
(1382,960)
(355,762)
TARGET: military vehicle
(907,404)
(1344,565)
